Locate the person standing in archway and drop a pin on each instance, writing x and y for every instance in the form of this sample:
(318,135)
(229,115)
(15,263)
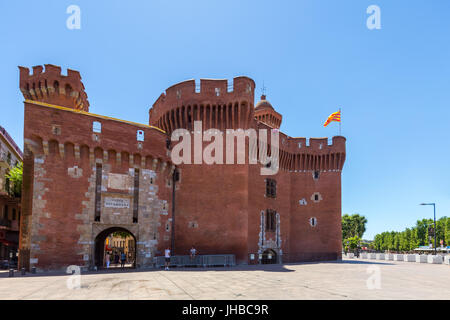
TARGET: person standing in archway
(108,260)
(167,258)
(123,258)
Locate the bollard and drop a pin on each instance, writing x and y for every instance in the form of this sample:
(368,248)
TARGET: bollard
(33,270)
(11,272)
(22,271)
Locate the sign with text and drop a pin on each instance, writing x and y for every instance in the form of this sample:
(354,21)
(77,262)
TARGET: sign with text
(117,202)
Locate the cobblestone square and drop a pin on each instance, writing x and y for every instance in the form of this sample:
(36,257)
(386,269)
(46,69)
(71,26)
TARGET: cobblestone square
(347,279)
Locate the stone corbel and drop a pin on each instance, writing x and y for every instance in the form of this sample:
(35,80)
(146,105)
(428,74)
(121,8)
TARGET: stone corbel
(131,160)
(91,156)
(61,150)
(45,147)
(77,152)
(155,164)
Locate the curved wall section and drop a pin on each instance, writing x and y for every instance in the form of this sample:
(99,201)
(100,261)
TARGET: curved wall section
(217,103)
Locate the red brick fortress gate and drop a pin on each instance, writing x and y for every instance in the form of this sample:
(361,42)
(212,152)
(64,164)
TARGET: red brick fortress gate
(85,173)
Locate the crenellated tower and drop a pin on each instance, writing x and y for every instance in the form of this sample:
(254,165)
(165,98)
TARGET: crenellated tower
(215,102)
(50,86)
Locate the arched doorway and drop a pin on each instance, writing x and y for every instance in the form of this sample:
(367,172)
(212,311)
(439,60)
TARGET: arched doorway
(115,241)
(269,257)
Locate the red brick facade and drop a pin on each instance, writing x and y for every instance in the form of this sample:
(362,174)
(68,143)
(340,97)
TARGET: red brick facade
(219,208)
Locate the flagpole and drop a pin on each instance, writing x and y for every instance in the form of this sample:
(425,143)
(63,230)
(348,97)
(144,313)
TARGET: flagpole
(340,121)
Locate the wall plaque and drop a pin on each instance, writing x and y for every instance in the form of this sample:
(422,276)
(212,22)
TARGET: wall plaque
(119,181)
(116,202)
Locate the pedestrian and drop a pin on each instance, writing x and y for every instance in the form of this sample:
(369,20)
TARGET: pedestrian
(123,258)
(167,258)
(107,260)
(193,252)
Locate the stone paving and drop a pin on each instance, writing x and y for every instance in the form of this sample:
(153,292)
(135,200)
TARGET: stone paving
(347,279)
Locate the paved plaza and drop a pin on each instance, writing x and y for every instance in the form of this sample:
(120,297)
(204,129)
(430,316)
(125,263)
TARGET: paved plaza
(347,279)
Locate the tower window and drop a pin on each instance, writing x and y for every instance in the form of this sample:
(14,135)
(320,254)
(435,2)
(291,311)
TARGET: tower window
(96,127)
(140,135)
(313,221)
(270,220)
(316,174)
(316,197)
(271,188)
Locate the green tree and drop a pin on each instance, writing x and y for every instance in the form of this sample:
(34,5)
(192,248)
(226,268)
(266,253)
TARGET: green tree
(352,243)
(413,242)
(447,232)
(15,180)
(122,234)
(422,231)
(352,226)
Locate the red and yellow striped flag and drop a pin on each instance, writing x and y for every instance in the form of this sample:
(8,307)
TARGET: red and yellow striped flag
(336,116)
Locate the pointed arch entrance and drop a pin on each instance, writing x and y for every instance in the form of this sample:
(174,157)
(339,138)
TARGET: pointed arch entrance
(99,254)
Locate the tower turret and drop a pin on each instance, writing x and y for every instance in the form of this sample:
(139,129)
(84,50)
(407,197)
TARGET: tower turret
(217,103)
(50,86)
(265,113)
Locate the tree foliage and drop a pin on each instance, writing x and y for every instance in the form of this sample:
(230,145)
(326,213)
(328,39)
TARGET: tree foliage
(353,225)
(411,238)
(121,234)
(15,180)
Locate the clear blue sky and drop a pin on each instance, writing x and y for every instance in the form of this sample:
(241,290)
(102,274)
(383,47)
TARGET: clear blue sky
(393,84)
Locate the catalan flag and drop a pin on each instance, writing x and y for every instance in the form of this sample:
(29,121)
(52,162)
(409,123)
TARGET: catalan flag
(336,116)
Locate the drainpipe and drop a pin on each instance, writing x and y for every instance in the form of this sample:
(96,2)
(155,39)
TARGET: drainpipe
(175,178)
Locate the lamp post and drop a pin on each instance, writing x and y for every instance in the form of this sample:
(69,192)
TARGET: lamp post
(434,210)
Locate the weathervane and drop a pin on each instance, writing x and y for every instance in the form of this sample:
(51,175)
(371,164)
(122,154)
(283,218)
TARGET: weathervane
(263,89)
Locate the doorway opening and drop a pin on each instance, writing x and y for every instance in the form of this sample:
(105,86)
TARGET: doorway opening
(269,257)
(115,248)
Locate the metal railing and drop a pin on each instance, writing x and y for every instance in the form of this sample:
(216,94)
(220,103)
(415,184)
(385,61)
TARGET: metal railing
(214,260)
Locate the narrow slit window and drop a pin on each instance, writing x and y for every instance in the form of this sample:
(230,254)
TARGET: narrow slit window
(136,196)
(98,190)
(270,220)
(271,188)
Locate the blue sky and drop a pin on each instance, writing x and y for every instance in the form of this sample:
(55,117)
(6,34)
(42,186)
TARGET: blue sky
(314,56)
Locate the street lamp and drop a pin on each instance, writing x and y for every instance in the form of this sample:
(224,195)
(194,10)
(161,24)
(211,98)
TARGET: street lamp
(434,210)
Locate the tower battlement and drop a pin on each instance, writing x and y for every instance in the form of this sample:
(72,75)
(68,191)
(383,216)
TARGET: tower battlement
(50,86)
(317,145)
(212,101)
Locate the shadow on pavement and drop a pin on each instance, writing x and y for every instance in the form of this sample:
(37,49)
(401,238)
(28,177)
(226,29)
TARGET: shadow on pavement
(259,267)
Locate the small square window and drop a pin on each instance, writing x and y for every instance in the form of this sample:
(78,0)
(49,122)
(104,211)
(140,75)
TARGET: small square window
(316,174)
(97,127)
(140,135)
